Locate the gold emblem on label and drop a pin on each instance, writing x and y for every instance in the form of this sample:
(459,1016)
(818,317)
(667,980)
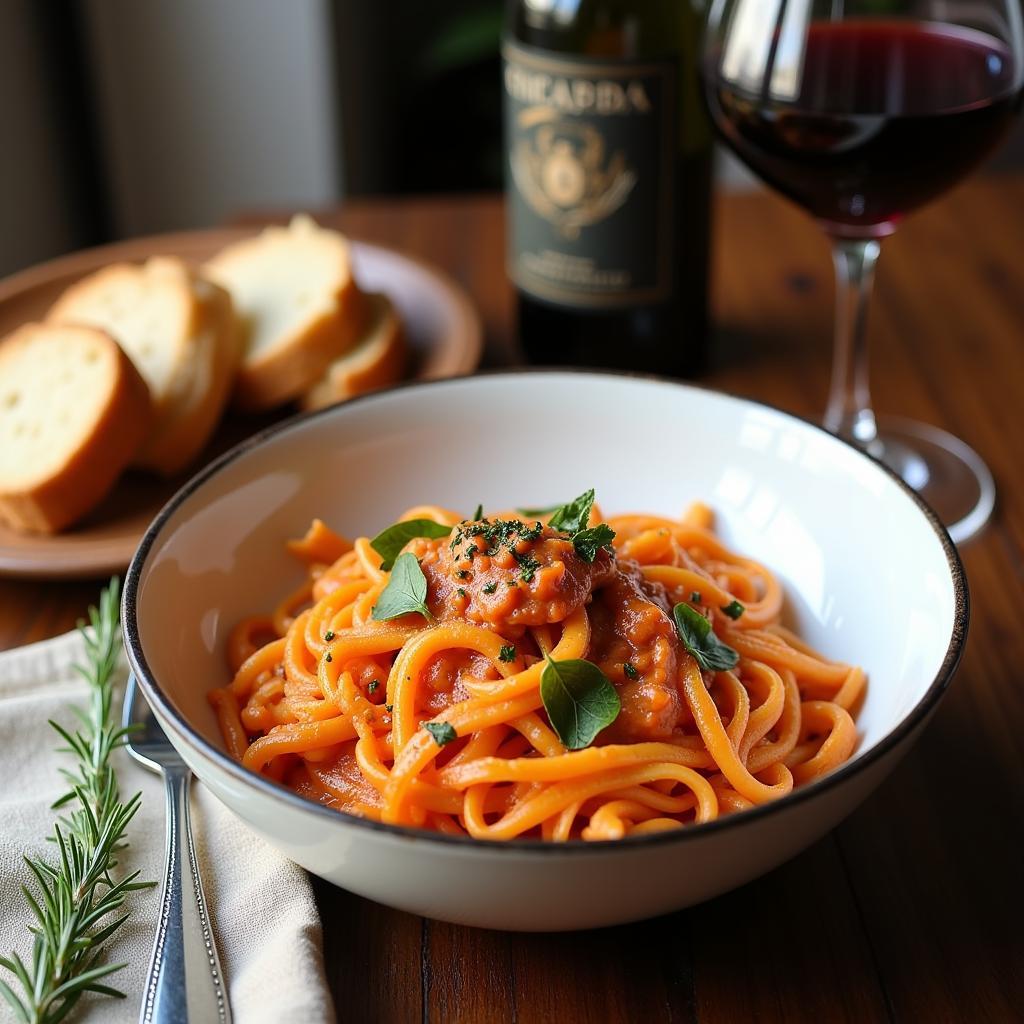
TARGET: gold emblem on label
(563,170)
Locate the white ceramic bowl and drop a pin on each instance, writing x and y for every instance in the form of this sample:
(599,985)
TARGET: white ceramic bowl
(870,577)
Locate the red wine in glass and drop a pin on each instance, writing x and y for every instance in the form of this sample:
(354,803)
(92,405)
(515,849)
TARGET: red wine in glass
(889,115)
(860,111)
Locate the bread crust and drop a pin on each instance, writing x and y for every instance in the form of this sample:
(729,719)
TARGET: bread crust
(377,360)
(204,387)
(190,397)
(97,459)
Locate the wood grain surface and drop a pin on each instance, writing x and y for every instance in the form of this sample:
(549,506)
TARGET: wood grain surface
(913,909)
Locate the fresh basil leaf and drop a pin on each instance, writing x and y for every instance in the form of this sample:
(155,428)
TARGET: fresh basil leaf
(573,517)
(580,700)
(588,542)
(507,653)
(478,514)
(700,640)
(443,732)
(733,609)
(406,591)
(388,543)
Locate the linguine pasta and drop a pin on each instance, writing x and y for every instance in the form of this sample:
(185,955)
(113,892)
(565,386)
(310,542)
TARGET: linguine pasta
(571,681)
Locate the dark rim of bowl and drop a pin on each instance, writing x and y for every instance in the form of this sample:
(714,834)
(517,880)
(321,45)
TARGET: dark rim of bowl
(156,697)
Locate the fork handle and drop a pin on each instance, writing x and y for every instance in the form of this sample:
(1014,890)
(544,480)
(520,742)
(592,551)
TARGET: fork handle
(185,983)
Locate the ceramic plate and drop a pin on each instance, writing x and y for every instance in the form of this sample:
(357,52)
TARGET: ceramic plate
(441,323)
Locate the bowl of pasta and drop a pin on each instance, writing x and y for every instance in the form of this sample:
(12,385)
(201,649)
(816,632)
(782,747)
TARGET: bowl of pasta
(544,650)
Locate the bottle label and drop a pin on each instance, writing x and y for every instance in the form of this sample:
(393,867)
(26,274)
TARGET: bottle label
(589,175)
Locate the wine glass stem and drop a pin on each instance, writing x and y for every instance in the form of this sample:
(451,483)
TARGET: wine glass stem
(849,413)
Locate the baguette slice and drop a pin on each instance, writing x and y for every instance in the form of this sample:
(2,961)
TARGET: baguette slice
(377,360)
(294,290)
(73,412)
(181,332)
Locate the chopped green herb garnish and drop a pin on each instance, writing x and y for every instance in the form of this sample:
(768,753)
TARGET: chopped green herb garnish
(327,657)
(507,653)
(373,686)
(463,574)
(531,533)
(329,635)
(494,536)
(479,513)
(461,592)
(443,732)
(389,543)
(630,671)
(573,517)
(528,566)
(491,587)
(510,583)
(695,597)
(389,708)
(733,609)
(588,542)
(700,640)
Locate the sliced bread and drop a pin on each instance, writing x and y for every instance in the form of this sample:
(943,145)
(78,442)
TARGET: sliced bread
(73,413)
(377,360)
(181,332)
(294,291)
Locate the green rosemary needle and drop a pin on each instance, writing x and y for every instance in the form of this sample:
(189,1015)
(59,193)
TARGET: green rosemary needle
(76,898)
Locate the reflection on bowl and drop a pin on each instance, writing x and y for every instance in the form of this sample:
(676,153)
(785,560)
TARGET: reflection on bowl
(870,577)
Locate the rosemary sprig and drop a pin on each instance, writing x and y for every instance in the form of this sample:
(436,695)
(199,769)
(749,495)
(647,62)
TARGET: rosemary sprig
(76,899)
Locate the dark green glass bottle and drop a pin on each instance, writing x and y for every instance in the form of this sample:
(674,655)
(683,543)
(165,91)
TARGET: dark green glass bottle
(608,159)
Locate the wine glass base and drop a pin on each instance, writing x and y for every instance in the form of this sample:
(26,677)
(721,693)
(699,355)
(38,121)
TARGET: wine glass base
(946,472)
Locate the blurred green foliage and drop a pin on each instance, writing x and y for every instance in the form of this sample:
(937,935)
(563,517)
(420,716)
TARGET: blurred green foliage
(470,37)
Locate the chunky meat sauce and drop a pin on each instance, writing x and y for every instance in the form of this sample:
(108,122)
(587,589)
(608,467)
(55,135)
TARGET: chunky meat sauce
(510,575)
(634,643)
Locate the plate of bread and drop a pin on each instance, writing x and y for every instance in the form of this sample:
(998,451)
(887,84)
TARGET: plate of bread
(125,368)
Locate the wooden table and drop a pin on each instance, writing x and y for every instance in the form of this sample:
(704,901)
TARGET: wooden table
(914,908)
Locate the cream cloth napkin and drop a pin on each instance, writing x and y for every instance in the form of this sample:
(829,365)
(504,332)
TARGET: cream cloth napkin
(264,917)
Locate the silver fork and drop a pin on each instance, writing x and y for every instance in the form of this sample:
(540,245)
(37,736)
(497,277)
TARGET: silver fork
(185,984)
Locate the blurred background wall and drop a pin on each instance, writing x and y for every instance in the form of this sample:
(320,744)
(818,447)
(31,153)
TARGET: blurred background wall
(125,117)
(207,105)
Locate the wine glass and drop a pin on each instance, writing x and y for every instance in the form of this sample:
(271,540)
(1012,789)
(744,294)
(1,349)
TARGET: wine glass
(860,111)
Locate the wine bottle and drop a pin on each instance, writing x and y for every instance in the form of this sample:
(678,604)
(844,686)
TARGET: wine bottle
(608,158)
